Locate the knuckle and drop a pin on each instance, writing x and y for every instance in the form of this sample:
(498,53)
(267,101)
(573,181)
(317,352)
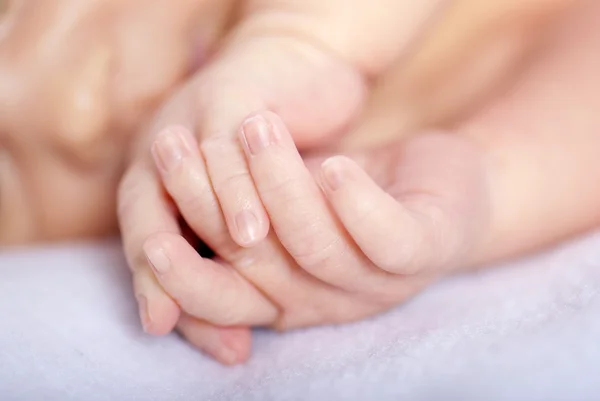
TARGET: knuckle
(283,189)
(195,208)
(311,313)
(313,252)
(214,143)
(217,300)
(136,259)
(396,256)
(129,194)
(230,312)
(228,317)
(233,182)
(292,319)
(365,214)
(189,189)
(186,177)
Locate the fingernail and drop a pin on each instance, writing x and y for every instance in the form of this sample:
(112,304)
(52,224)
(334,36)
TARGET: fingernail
(158,260)
(332,173)
(143,311)
(170,148)
(228,356)
(215,344)
(247,226)
(231,350)
(257,134)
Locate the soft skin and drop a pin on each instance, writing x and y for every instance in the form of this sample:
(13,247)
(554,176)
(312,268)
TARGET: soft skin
(192,164)
(77,79)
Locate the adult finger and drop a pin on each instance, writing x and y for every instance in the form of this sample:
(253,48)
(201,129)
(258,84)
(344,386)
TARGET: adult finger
(298,211)
(204,288)
(143,210)
(178,159)
(228,345)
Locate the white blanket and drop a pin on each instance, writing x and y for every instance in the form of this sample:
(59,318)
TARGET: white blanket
(527,331)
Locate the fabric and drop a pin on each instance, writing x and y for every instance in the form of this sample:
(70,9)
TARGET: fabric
(526,331)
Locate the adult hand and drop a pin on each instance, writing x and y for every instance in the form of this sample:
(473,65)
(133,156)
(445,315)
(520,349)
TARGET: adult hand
(311,62)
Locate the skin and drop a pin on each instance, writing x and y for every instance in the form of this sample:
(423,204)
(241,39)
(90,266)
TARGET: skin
(67,116)
(74,87)
(461,62)
(299,64)
(71,156)
(455,199)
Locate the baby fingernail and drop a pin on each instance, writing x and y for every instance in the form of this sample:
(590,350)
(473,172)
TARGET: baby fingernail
(170,148)
(332,173)
(258,134)
(158,259)
(143,311)
(248,226)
